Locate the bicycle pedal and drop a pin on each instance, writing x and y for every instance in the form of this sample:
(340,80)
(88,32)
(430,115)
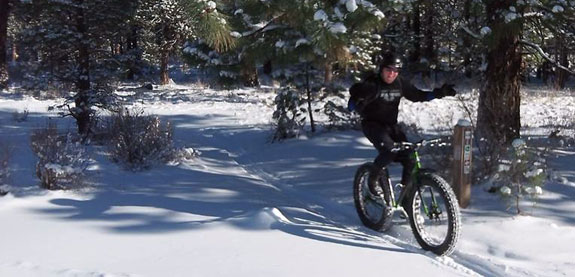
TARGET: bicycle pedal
(376,196)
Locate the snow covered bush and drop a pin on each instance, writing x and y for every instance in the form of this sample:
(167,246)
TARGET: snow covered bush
(340,118)
(62,159)
(139,140)
(288,116)
(522,174)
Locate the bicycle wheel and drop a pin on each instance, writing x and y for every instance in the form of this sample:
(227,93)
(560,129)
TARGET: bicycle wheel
(374,211)
(434,215)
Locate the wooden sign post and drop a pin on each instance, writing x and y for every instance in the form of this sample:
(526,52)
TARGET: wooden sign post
(462,136)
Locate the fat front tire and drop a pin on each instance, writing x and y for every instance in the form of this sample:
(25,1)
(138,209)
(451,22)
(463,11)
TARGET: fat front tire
(434,215)
(374,211)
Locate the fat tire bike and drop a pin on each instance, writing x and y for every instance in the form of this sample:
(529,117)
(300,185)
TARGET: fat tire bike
(429,204)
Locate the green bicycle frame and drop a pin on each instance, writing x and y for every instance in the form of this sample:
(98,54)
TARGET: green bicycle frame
(417,181)
(415,174)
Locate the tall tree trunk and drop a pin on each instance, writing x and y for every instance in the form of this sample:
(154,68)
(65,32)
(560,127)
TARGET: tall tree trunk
(416,28)
(466,39)
(309,97)
(268,67)
(14,55)
(328,73)
(132,45)
(429,39)
(429,49)
(498,118)
(4,11)
(561,75)
(164,62)
(249,74)
(83,113)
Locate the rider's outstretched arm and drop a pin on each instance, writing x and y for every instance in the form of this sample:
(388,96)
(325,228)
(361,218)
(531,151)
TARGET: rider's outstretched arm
(410,92)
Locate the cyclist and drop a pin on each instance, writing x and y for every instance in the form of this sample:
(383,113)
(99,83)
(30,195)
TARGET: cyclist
(376,99)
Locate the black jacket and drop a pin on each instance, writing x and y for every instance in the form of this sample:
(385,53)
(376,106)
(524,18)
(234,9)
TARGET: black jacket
(377,101)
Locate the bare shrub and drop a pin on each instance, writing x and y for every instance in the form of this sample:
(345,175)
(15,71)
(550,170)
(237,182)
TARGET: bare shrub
(62,159)
(139,140)
(340,118)
(20,116)
(5,156)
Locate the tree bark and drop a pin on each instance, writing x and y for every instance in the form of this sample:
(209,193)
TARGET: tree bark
(467,40)
(498,118)
(14,55)
(561,75)
(268,67)
(416,28)
(83,112)
(429,50)
(249,74)
(309,98)
(132,45)
(4,12)
(328,73)
(164,62)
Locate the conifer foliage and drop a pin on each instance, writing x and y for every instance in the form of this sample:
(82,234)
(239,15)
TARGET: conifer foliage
(70,42)
(166,24)
(309,45)
(4,10)
(300,43)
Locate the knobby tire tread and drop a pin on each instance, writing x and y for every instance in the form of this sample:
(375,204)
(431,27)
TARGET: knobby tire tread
(454,216)
(385,222)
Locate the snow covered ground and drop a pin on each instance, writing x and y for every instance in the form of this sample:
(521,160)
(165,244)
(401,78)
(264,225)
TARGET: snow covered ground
(247,207)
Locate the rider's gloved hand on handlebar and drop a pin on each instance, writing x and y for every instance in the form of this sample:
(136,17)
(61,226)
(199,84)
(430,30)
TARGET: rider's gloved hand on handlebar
(445,90)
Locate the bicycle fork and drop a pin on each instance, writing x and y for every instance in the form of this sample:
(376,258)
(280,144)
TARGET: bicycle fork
(432,209)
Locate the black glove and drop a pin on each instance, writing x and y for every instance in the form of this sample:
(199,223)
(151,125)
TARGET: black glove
(445,90)
(361,95)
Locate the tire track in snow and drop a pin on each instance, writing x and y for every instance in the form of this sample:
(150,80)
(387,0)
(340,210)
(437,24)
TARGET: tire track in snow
(331,218)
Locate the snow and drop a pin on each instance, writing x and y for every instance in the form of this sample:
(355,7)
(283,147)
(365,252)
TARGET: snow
(510,17)
(301,41)
(320,15)
(246,207)
(558,9)
(280,43)
(337,28)
(211,5)
(351,5)
(505,190)
(338,13)
(485,31)
(379,14)
(464,122)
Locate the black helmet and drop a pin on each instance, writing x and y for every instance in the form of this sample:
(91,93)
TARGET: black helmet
(390,60)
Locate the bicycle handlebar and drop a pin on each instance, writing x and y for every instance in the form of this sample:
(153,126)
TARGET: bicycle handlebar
(404,145)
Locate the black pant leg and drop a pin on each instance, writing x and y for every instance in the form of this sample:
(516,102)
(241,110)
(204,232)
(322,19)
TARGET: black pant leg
(405,158)
(381,137)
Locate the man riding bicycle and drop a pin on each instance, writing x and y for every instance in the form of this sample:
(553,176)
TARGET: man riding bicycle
(376,99)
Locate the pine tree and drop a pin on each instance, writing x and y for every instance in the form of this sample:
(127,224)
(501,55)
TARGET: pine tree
(67,38)
(168,24)
(510,26)
(4,12)
(299,43)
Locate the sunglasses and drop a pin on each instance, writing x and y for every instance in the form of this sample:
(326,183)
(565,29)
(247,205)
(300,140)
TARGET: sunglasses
(392,69)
